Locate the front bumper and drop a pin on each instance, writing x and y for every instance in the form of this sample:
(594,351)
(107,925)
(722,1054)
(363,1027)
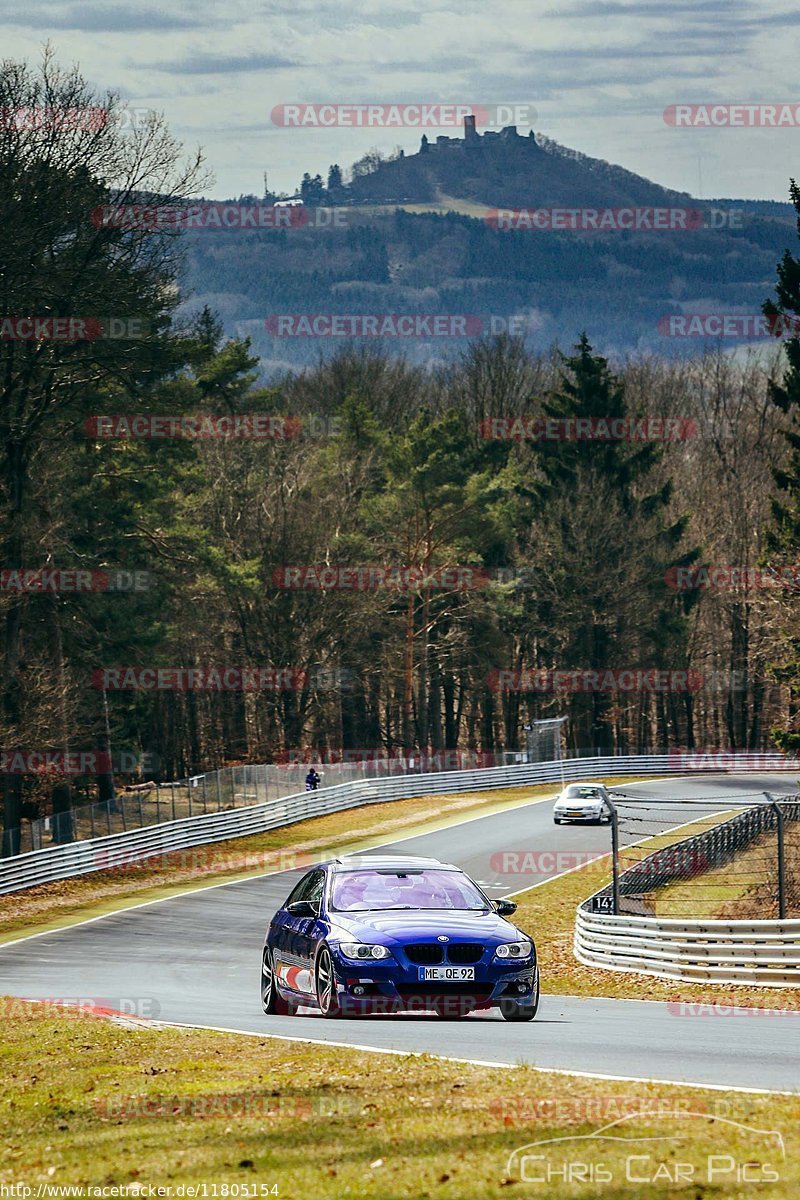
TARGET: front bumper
(564,814)
(394,986)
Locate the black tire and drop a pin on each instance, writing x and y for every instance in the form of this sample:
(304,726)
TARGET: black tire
(556,820)
(272,1001)
(512,1011)
(325,985)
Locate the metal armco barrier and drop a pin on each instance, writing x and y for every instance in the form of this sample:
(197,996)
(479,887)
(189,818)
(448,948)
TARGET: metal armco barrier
(114,851)
(761,952)
(764,952)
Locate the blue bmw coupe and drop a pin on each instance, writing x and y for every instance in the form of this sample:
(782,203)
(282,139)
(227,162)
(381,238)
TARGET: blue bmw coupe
(394,934)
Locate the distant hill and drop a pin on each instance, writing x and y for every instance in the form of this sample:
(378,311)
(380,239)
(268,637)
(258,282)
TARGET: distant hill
(414,235)
(506,170)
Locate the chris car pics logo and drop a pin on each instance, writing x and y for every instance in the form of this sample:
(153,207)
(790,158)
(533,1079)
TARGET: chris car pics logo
(664,1150)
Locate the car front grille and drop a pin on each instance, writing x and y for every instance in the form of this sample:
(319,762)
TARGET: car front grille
(425,954)
(467,952)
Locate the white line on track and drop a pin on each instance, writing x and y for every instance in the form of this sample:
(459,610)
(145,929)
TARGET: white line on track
(480,1062)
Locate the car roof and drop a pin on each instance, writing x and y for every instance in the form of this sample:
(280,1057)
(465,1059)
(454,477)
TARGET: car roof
(389,862)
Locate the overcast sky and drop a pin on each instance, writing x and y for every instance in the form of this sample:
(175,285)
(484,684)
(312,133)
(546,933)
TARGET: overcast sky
(599,74)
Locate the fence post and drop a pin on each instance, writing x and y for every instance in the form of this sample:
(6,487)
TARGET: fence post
(219,789)
(172,789)
(205,797)
(158,806)
(781,858)
(612,808)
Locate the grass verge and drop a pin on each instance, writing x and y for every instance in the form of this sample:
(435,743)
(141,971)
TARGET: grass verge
(89,1104)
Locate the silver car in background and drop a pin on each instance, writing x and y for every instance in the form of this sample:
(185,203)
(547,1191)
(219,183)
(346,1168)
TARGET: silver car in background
(582,802)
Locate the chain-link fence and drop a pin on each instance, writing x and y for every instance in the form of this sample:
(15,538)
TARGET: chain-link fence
(217,791)
(705,857)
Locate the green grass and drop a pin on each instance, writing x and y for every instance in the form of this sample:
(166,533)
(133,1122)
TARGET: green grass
(88,1103)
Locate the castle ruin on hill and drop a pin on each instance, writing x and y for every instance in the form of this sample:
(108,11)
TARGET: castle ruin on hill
(473,140)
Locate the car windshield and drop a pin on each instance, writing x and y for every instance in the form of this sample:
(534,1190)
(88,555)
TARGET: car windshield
(583,793)
(365,891)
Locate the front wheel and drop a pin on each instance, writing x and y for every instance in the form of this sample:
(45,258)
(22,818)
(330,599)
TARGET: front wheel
(556,820)
(272,1001)
(512,1011)
(325,982)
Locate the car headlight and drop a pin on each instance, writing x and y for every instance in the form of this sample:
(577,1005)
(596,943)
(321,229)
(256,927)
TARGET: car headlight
(362,950)
(514,949)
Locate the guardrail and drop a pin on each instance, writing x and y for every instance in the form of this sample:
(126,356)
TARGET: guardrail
(115,850)
(764,952)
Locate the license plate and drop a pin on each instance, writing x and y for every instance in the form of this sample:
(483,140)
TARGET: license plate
(574,812)
(446,974)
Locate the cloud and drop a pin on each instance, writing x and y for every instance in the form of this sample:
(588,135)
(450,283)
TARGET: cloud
(222,64)
(104,19)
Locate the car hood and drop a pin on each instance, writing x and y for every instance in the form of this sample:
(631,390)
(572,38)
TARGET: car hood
(400,926)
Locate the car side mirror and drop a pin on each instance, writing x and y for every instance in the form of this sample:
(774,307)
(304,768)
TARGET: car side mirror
(303,908)
(504,908)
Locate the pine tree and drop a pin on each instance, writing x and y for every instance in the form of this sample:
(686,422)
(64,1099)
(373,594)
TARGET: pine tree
(604,544)
(783,537)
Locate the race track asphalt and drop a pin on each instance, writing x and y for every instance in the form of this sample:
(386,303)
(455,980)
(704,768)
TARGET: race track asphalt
(195,959)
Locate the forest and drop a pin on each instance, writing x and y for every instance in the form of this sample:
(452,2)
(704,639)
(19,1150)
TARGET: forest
(368,554)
